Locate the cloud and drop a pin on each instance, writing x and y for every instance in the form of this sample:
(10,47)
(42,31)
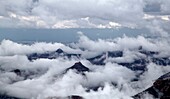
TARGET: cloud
(53,11)
(86,14)
(44,78)
(10,48)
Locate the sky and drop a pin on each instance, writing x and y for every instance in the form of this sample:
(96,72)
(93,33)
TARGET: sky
(152,14)
(44,79)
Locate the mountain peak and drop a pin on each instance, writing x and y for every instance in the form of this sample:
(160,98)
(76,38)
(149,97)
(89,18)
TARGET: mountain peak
(79,67)
(59,50)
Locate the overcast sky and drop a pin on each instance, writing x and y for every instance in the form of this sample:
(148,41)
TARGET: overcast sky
(85,14)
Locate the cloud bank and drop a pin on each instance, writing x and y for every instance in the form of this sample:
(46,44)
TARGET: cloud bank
(86,14)
(43,78)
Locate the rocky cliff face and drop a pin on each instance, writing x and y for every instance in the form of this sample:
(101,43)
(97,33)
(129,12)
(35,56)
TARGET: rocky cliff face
(69,97)
(7,97)
(160,88)
(79,67)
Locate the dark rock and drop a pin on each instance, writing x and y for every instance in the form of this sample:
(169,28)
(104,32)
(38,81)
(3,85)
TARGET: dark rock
(150,91)
(68,97)
(16,71)
(167,75)
(78,67)
(47,55)
(32,56)
(75,97)
(51,55)
(148,53)
(3,96)
(161,61)
(95,88)
(59,51)
(160,88)
(115,54)
(72,55)
(163,86)
(98,60)
(29,74)
(137,65)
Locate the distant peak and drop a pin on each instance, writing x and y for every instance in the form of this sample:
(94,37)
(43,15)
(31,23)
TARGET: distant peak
(59,50)
(78,63)
(79,67)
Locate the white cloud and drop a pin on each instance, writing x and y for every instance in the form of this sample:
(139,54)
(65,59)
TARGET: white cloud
(166,18)
(45,78)
(8,47)
(66,24)
(86,14)
(74,10)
